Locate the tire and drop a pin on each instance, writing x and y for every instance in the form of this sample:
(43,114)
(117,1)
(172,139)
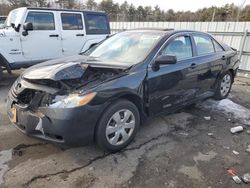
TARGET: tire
(224,86)
(113,132)
(1,72)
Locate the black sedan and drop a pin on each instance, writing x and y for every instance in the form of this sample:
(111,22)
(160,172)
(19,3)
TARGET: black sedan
(105,94)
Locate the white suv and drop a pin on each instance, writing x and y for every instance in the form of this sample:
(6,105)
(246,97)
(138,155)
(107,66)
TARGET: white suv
(34,35)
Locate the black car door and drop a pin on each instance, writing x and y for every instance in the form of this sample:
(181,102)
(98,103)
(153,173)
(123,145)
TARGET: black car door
(210,58)
(174,84)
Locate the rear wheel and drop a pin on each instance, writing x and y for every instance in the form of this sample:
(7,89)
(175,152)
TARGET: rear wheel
(118,126)
(224,87)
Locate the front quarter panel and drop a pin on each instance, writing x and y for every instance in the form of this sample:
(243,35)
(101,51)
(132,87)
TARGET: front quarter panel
(131,83)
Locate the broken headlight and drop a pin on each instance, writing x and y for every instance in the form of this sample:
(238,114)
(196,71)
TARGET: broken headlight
(72,100)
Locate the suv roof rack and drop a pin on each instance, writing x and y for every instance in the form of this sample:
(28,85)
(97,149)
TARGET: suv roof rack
(58,9)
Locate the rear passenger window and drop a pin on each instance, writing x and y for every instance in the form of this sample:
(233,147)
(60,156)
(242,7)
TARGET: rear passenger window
(71,21)
(41,20)
(180,47)
(217,47)
(204,45)
(96,24)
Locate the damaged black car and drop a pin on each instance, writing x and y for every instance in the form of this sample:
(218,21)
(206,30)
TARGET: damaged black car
(105,94)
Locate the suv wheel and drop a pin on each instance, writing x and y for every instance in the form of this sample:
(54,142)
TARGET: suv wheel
(118,126)
(224,87)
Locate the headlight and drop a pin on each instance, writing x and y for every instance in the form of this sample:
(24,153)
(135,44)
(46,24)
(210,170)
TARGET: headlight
(72,100)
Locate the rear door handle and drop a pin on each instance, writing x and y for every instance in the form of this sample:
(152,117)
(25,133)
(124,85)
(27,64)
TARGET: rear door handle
(54,35)
(79,35)
(193,66)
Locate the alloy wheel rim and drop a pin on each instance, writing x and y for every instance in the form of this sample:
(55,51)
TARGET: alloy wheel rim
(120,127)
(225,85)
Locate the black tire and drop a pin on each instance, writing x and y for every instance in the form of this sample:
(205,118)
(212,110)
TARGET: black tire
(219,95)
(1,72)
(106,118)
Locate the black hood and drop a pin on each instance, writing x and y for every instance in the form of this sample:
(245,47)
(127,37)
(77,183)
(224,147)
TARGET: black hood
(72,67)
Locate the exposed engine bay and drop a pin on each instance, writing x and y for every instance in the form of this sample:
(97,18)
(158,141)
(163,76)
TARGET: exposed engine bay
(34,93)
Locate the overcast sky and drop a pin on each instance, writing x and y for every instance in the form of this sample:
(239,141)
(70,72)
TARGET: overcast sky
(192,5)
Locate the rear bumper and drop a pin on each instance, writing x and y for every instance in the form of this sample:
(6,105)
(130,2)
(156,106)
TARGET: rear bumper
(72,127)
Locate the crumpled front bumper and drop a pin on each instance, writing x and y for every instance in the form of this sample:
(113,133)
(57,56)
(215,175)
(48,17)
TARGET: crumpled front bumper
(69,126)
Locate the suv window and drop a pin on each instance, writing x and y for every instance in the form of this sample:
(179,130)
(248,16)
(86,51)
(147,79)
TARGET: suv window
(96,24)
(71,21)
(41,20)
(217,47)
(204,45)
(2,20)
(180,47)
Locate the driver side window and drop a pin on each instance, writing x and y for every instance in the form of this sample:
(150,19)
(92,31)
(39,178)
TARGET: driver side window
(41,20)
(180,47)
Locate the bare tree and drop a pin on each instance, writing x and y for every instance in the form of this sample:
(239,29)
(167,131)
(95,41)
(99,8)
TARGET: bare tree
(18,3)
(69,4)
(37,3)
(91,5)
(126,12)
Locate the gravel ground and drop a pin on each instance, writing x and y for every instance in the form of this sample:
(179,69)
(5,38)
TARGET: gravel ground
(178,150)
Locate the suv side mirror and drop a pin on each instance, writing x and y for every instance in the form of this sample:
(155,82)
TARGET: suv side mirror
(28,26)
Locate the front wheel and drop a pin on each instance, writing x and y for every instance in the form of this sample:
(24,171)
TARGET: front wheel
(224,86)
(118,126)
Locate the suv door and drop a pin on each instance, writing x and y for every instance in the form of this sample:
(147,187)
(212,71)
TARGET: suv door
(173,85)
(210,57)
(43,42)
(73,32)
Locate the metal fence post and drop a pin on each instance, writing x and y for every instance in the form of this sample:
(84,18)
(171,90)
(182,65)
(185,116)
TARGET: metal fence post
(243,41)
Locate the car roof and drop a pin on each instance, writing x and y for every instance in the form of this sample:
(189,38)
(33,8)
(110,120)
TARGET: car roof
(167,31)
(66,10)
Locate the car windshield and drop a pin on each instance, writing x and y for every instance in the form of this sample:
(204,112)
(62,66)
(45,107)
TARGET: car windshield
(12,17)
(126,47)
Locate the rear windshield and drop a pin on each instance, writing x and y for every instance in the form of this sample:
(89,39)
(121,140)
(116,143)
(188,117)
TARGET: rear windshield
(96,23)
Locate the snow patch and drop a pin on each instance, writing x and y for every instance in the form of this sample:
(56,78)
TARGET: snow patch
(228,107)
(5,156)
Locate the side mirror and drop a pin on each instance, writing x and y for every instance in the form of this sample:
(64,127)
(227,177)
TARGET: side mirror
(27,27)
(163,60)
(166,59)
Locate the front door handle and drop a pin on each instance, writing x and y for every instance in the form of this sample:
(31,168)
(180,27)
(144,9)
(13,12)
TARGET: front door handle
(193,66)
(79,35)
(54,35)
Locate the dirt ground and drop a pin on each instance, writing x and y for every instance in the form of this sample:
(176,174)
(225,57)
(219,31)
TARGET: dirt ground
(178,150)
